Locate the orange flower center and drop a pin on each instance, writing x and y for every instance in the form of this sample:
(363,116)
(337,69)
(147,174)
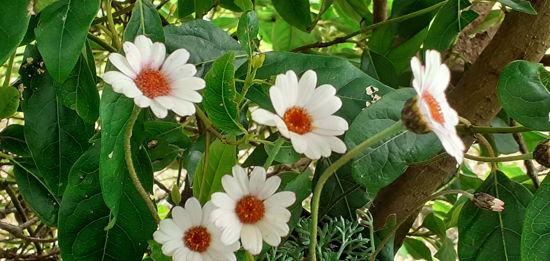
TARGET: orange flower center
(197,239)
(435,109)
(250,209)
(152,83)
(297,120)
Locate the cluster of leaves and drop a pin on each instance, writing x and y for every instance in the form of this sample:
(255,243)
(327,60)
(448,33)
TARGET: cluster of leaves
(64,148)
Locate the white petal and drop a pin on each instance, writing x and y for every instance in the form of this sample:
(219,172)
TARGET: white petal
(440,80)
(175,66)
(231,234)
(183,108)
(170,247)
(232,188)
(325,106)
(189,83)
(143,43)
(181,254)
(312,149)
(264,117)
(193,206)
(451,142)
(158,53)
(278,101)
(331,125)
(257,180)
(242,178)
(251,237)
(306,87)
(299,143)
(194,256)
(122,65)
(143,101)
(289,87)
(189,95)
(282,199)
(181,218)
(417,70)
(318,143)
(336,144)
(270,186)
(122,84)
(133,56)
(182,72)
(269,234)
(166,101)
(320,94)
(159,110)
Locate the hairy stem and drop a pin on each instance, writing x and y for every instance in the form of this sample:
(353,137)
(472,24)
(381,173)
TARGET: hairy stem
(527,156)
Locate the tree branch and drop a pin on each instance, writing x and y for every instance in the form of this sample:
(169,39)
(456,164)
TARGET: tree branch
(379,11)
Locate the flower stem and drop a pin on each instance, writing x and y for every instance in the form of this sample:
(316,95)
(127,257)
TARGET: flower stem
(210,126)
(205,165)
(396,127)
(527,156)
(277,146)
(130,163)
(111,24)
(486,129)
(8,71)
(101,43)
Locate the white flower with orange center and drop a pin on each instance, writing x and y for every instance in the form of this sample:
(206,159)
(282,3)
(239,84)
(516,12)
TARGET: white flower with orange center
(153,81)
(191,235)
(250,209)
(304,114)
(430,82)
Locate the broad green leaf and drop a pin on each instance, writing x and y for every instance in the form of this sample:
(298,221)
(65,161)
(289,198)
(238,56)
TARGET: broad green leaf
(447,24)
(286,154)
(83,216)
(488,235)
(220,95)
(35,192)
(349,81)
(381,40)
(289,37)
(13,25)
(244,5)
(523,90)
(536,228)
(379,165)
(520,5)
(55,135)
(29,35)
(221,159)
(193,156)
(12,139)
(165,141)
(248,30)
(9,101)
(295,12)
(301,186)
(205,41)
(231,5)
(435,225)
(417,249)
(156,252)
(79,91)
(533,138)
(341,195)
(187,7)
(410,27)
(379,67)
(61,34)
(39,5)
(447,251)
(144,14)
(400,56)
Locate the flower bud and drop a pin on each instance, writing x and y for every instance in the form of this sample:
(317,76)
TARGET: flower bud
(486,201)
(542,153)
(257,61)
(410,115)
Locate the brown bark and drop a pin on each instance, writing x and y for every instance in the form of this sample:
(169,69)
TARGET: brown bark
(379,11)
(521,36)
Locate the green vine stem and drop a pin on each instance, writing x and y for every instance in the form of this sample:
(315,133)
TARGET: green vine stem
(277,146)
(8,71)
(130,163)
(205,165)
(396,127)
(527,156)
(111,25)
(486,129)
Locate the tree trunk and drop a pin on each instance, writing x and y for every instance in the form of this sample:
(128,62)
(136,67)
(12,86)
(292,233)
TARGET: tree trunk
(521,36)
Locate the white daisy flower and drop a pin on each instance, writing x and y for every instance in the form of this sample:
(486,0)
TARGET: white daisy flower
(430,83)
(304,114)
(251,210)
(191,235)
(153,81)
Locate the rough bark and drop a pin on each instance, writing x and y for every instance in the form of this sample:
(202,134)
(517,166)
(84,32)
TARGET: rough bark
(521,36)
(379,11)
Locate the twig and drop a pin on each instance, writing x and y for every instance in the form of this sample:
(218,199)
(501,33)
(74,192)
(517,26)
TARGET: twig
(529,166)
(17,231)
(379,11)
(161,186)
(101,43)
(115,14)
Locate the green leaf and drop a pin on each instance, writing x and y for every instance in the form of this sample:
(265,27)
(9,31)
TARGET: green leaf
(165,140)
(520,5)
(410,27)
(341,195)
(289,37)
(523,90)
(447,24)
(536,227)
(83,216)
(349,81)
(205,41)
(435,225)
(295,12)
(301,186)
(9,101)
(286,154)
(248,30)
(156,252)
(187,7)
(417,249)
(220,95)
(13,25)
(488,235)
(144,14)
(40,5)
(221,159)
(34,191)
(401,55)
(79,91)
(12,139)
(230,4)
(383,162)
(447,251)
(193,156)
(61,34)
(55,135)
(244,5)
(379,67)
